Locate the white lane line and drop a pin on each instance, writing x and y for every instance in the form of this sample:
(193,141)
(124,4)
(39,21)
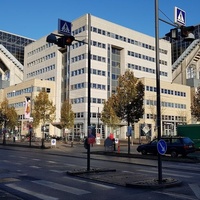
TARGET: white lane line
(196,189)
(50,161)
(60,187)
(91,183)
(40,196)
(33,166)
(171,174)
(180,196)
(57,171)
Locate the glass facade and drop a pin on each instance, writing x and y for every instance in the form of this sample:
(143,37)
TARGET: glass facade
(15,44)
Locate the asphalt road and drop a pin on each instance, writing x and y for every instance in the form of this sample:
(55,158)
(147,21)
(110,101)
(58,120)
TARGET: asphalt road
(32,174)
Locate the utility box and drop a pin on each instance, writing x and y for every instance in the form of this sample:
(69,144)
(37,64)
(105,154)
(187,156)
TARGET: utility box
(192,131)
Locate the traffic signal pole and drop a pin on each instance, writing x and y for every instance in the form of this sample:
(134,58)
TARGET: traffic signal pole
(158,87)
(89,87)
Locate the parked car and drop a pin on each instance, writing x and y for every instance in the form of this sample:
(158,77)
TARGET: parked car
(175,146)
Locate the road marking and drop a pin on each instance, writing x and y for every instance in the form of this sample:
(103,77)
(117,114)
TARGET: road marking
(171,174)
(40,196)
(180,196)
(196,189)
(49,161)
(57,171)
(91,183)
(60,187)
(33,166)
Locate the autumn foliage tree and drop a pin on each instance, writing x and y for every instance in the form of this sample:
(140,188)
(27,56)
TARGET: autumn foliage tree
(10,114)
(44,111)
(108,115)
(67,115)
(127,102)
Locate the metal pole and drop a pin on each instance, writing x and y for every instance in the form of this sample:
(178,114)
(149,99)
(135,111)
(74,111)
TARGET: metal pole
(89,86)
(98,127)
(158,87)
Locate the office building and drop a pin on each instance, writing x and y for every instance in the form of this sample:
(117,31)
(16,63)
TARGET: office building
(114,49)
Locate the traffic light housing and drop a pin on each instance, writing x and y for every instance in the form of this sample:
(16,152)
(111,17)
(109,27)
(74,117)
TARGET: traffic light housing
(61,41)
(65,40)
(187,33)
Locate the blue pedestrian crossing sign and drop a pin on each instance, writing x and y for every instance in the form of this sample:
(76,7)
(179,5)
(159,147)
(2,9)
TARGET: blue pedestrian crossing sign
(162,147)
(179,16)
(64,27)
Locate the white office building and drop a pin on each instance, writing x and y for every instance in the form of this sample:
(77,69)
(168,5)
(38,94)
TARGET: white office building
(114,49)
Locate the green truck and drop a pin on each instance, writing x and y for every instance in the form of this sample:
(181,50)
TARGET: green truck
(192,131)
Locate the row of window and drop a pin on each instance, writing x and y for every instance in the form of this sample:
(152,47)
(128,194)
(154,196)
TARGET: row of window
(83,56)
(166,104)
(168,117)
(39,49)
(166,91)
(41,71)
(146,69)
(81,115)
(122,38)
(39,60)
(93,71)
(144,57)
(19,92)
(84,85)
(27,90)
(83,100)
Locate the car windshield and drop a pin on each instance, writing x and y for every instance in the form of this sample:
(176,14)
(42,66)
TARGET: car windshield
(187,140)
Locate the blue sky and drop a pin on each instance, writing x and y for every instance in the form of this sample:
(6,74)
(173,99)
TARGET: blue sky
(37,18)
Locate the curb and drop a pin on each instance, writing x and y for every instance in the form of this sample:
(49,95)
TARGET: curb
(154,183)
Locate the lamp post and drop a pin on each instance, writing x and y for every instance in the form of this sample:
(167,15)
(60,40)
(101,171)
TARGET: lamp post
(158,87)
(89,86)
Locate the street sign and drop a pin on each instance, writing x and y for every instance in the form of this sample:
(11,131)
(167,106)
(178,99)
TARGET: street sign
(64,27)
(179,16)
(53,142)
(161,147)
(129,131)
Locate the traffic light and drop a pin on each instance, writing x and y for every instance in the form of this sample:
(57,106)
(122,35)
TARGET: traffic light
(61,41)
(65,40)
(187,33)
(174,34)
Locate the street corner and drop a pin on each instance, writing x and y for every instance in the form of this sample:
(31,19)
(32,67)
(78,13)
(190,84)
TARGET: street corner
(155,183)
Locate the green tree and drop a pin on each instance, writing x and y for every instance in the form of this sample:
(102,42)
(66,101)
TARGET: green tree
(67,116)
(108,115)
(43,112)
(128,100)
(195,107)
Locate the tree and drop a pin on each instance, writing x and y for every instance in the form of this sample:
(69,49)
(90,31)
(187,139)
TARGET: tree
(9,116)
(67,115)
(128,101)
(43,112)
(195,107)
(108,115)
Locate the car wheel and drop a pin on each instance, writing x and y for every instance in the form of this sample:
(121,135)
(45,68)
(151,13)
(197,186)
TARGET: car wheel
(144,152)
(174,154)
(184,155)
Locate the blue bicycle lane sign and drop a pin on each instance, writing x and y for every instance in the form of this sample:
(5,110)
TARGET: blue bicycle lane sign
(161,147)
